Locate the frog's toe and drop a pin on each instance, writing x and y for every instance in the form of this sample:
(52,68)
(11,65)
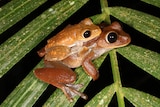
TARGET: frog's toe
(71,90)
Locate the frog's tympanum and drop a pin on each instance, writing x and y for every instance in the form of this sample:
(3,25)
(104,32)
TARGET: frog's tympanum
(74,46)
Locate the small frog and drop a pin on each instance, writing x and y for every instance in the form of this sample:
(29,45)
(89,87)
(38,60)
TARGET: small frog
(70,40)
(67,42)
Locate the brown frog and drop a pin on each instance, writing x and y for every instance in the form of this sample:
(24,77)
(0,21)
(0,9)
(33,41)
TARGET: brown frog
(58,72)
(70,40)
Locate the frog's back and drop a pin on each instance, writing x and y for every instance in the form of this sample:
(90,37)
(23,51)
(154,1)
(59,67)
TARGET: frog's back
(66,37)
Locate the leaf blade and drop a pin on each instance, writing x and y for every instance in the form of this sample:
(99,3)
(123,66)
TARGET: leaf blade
(27,38)
(145,23)
(103,98)
(15,10)
(145,59)
(140,99)
(27,92)
(152,2)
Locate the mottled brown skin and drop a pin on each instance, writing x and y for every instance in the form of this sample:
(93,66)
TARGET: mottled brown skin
(59,74)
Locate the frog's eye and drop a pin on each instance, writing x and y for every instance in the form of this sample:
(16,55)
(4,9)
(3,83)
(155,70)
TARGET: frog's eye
(111,37)
(87,34)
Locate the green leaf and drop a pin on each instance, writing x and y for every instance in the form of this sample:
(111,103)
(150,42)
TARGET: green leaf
(15,10)
(145,23)
(27,38)
(117,78)
(153,2)
(140,99)
(27,92)
(30,89)
(104,16)
(145,59)
(103,98)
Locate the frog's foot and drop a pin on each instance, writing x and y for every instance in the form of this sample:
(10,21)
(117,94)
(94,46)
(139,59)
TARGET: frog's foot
(71,90)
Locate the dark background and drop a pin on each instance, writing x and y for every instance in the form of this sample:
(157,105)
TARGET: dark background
(131,75)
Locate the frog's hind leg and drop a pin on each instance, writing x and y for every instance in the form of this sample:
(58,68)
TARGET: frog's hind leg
(60,76)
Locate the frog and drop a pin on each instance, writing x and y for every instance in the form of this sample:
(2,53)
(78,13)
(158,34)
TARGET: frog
(59,73)
(69,41)
(112,37)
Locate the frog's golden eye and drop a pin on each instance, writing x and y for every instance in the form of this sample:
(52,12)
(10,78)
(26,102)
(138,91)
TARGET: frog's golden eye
(111,37)
(87,34)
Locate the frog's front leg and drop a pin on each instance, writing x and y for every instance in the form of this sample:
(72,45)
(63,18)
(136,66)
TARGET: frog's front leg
(41,52)
(60,76)
(89,67)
